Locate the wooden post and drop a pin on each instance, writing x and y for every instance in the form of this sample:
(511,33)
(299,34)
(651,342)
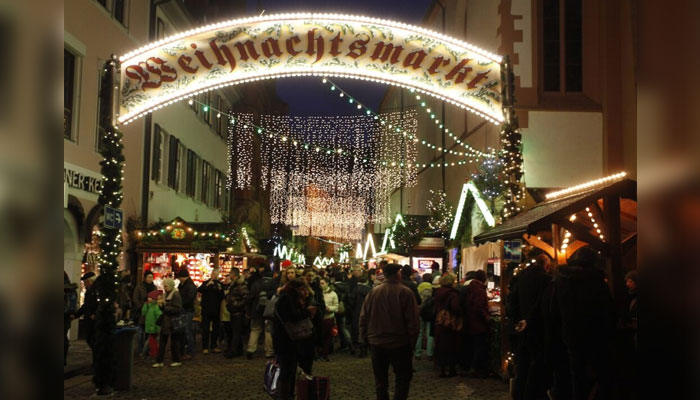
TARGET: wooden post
(615,272)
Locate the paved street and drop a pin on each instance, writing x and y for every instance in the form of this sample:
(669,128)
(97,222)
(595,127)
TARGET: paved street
(214,377)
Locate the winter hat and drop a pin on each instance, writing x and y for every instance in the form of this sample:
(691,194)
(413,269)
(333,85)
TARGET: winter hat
(286,263)
(146,273)
(87,276)
(153,294)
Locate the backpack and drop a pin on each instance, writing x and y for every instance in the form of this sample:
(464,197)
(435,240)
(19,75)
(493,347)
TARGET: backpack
(234,301)
(427,310)
(70,300)
(266,292)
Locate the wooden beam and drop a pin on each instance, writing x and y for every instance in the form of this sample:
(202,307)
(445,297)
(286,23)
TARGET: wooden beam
(540,244)
(581,233)
(628,243)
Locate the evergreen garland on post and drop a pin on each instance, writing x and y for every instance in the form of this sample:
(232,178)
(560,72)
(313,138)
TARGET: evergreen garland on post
(110,239)
(511,156)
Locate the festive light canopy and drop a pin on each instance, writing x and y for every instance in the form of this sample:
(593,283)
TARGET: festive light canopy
(326,192)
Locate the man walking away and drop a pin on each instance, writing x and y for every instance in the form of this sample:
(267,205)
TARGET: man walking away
(389,324)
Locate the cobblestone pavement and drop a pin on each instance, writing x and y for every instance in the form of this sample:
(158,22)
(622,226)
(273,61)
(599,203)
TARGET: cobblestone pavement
(215,377)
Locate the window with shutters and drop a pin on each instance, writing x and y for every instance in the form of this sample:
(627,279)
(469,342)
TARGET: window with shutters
(157,159)
(205,188)
(70,62)
(191,186)
(173,163)
(562,46)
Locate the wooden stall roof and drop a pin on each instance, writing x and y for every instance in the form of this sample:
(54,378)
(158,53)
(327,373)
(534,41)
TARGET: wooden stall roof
(541,216)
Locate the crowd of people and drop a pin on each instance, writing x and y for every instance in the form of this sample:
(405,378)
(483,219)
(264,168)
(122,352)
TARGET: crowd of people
(561,323)
(566,333)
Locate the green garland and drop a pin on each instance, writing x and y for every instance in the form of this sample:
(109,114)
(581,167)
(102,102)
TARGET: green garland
(110,240)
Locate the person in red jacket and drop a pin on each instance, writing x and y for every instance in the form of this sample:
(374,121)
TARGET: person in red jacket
(477,323)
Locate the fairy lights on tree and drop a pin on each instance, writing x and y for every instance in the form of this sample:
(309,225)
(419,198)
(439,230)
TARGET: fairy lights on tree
(441,213)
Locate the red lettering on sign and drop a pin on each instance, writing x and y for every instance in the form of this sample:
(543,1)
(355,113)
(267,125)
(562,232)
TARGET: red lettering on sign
(153,65)
(270,46)
(318,48)
(290,45)
(388,49)
(226,52)
(245,48)
(460,70)
(359,45)
(419,55)
(335,42)
(439,61)
(202,60)
(479,77)
(184,62)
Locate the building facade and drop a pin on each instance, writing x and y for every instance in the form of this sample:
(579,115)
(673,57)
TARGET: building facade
(177,159)
(574,88)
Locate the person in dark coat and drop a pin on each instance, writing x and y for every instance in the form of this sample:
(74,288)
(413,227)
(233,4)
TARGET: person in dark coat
(467,355)
(89,310)
(477,322)
(212,291)
(291,307)
(341,319)
(124,299)
(406,273)
(308,347)
(172,307)
(259,281)
(588,320)
(361,291)
(235,304)
(140,295)
(525,305)
(448,336)
(188,294)
(350,307)
(70,300)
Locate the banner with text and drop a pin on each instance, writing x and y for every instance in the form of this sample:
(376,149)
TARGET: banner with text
(288,45)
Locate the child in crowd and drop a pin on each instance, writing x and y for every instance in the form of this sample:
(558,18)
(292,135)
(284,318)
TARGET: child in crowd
(152,312)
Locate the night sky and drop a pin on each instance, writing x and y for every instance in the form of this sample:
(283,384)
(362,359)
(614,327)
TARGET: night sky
(309,96)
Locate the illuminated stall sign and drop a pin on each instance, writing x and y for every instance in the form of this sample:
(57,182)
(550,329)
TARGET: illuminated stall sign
(287,45)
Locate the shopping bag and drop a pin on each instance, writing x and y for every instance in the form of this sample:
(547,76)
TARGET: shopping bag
(313,387)
(272,374)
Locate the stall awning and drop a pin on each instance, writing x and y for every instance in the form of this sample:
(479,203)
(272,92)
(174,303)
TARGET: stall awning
(542,215)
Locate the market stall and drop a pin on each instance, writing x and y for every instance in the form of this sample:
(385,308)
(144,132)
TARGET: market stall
(601,214)
(197,246)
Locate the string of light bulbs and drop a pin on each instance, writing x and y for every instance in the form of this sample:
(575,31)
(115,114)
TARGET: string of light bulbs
(261,131)
(472,152)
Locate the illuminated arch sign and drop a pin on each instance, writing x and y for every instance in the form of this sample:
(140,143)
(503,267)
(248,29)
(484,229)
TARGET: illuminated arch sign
(287,45)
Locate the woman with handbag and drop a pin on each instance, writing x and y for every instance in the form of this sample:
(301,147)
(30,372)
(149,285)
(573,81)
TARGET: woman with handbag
(291,326)
(448,326)
(172,308)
